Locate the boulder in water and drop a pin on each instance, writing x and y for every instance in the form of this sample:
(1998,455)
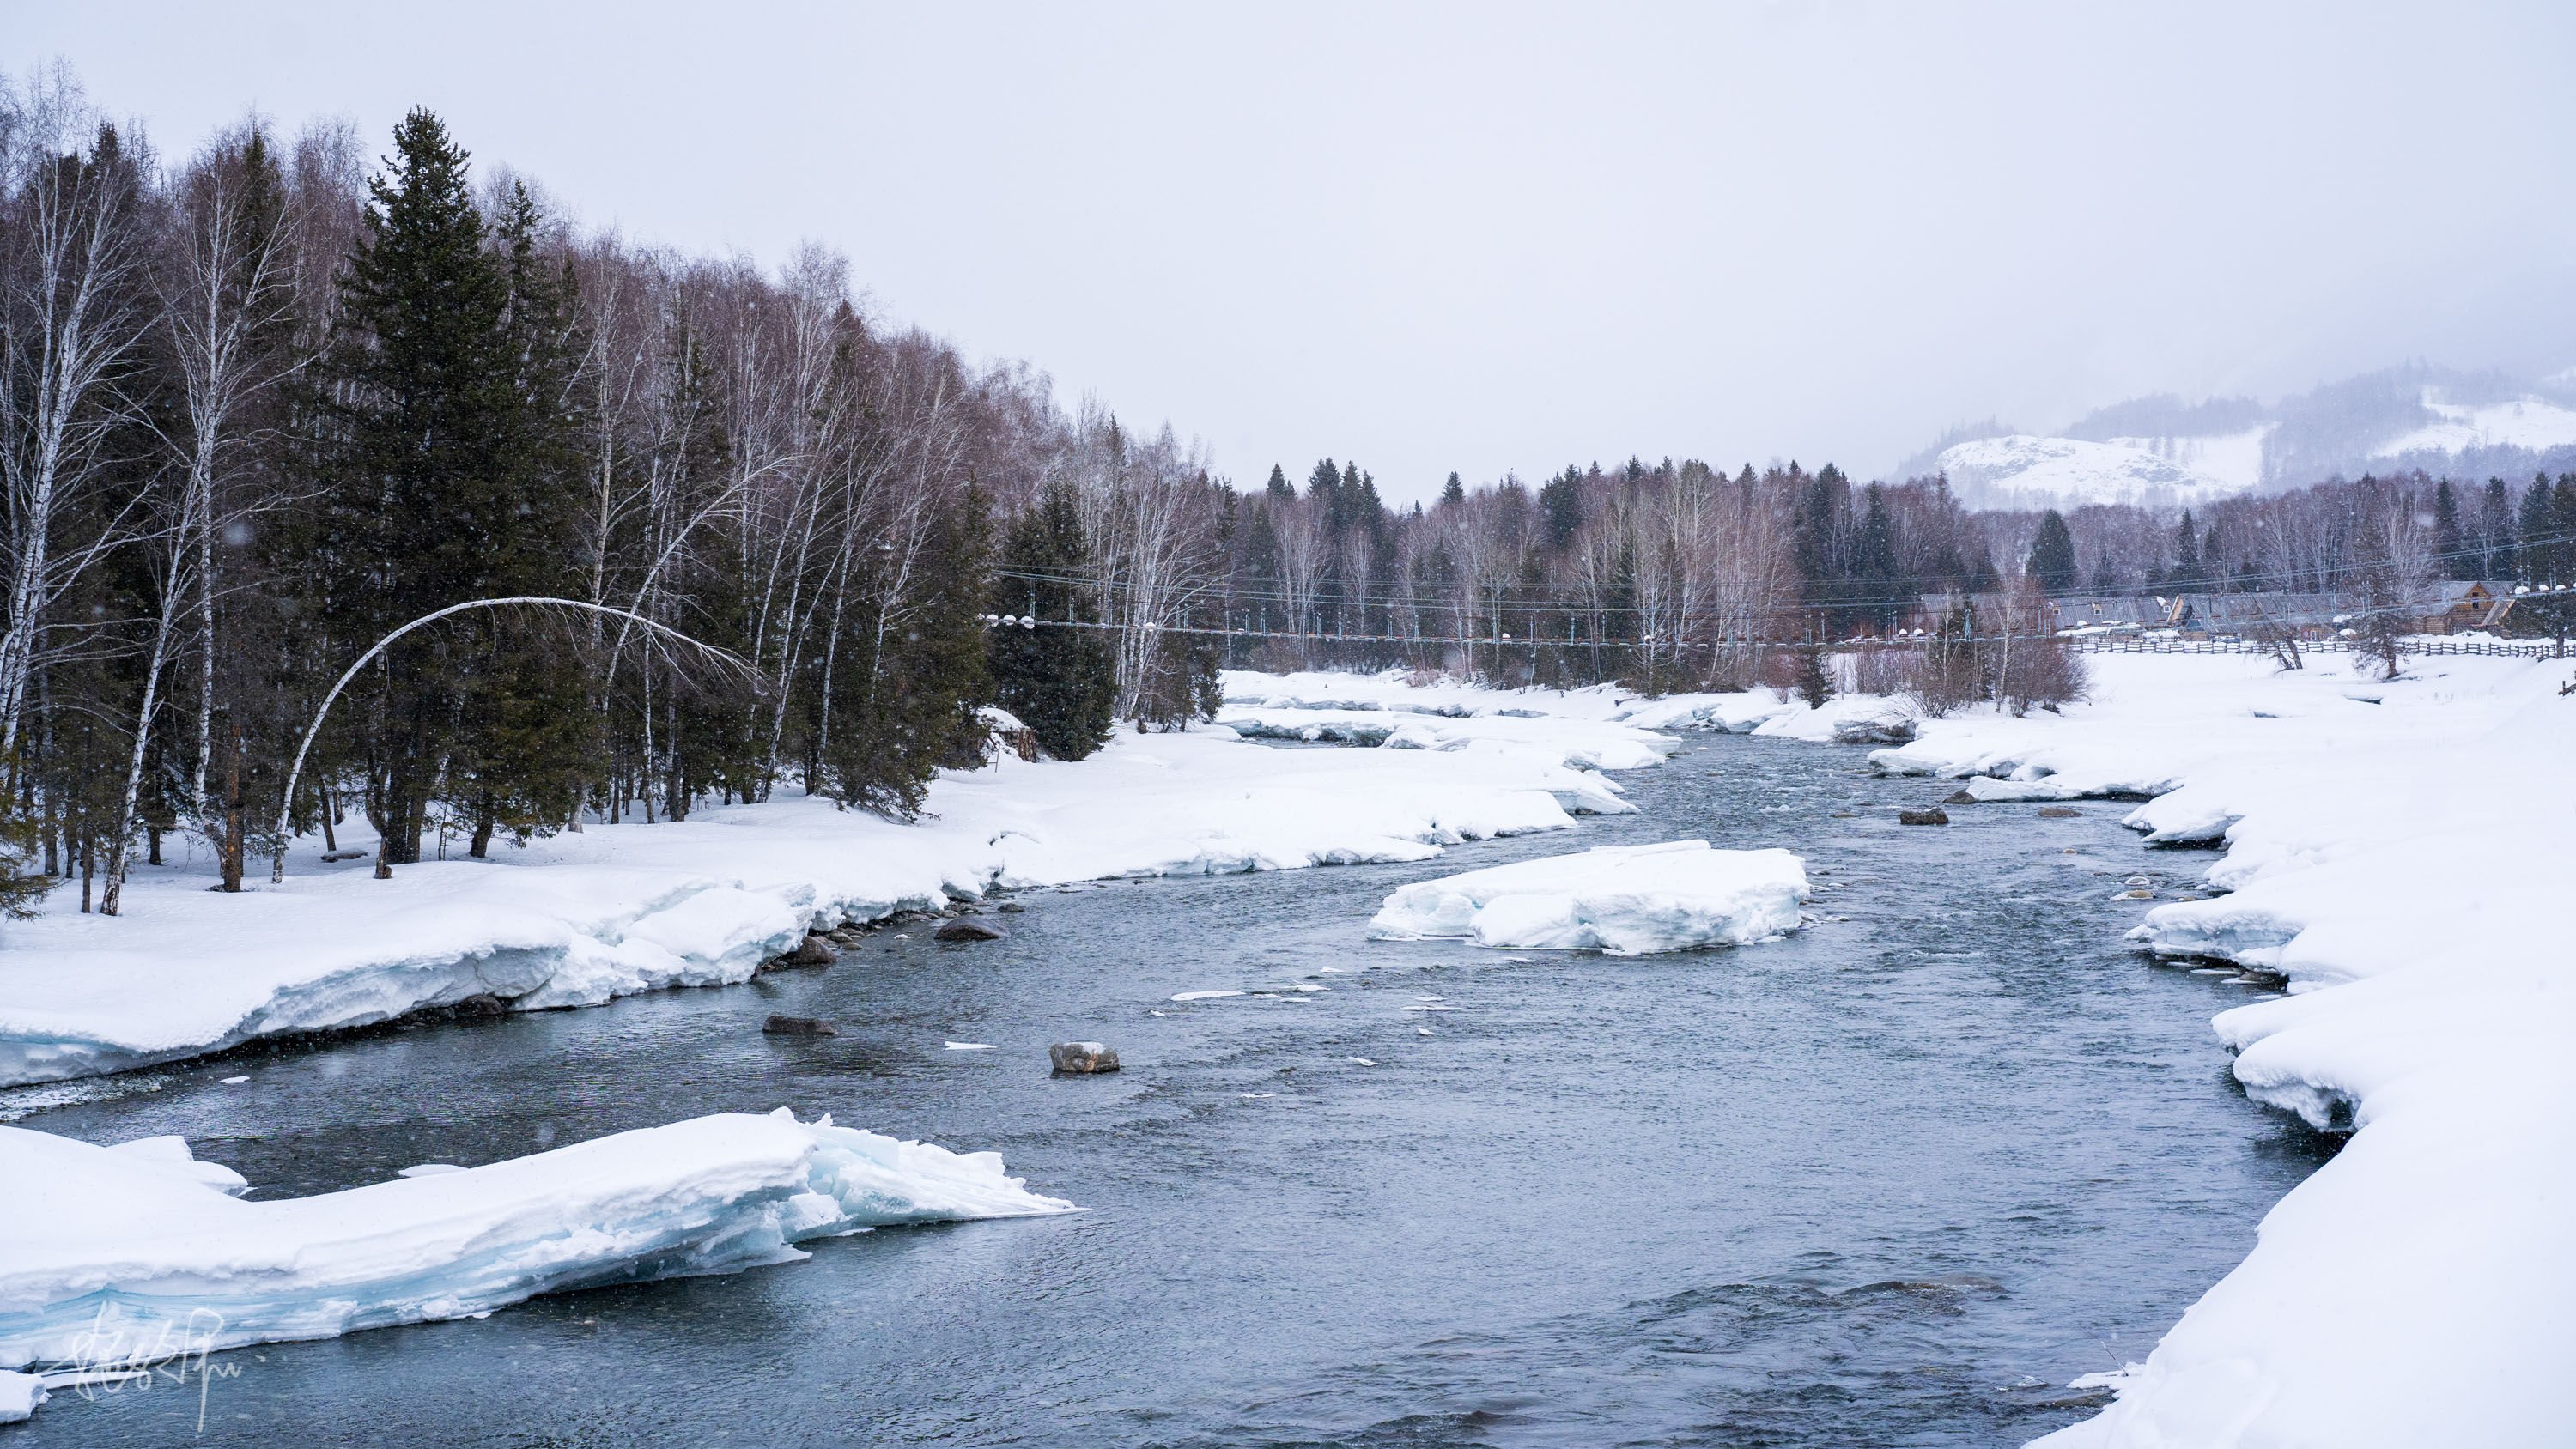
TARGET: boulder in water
(797,1026)
(967,928)
(1934,816)
(1959,797)
(1082,1056)
(816,950)
(2057,812)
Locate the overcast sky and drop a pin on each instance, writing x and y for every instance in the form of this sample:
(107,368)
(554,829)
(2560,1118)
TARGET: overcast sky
(1495,237)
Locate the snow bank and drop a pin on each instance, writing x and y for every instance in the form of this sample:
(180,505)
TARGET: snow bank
(1314,696)
(1627,900)
(2400,853)
(579,919)
(106,1249)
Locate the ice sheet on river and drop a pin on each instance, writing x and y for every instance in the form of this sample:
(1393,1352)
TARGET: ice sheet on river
(1624,899)
(104,1251)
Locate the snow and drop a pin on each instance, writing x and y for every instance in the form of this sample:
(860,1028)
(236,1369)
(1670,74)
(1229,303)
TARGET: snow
(2526,422)
(1627,900)
(1576,729)
(116,1245)
(2403,864)
(2025,471)
(2235,459)
(581,918)
(19,1395)
(2396,852)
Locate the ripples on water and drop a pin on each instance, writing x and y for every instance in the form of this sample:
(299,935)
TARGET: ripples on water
(1894,1181)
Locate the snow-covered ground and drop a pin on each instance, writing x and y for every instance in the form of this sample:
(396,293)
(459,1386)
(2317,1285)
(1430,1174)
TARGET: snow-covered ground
(1624,899)
(580,918)
(120,1259)
(2401,853)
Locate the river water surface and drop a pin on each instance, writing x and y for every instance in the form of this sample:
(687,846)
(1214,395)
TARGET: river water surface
(1893,1181)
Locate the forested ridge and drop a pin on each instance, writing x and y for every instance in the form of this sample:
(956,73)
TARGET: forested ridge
(270,404)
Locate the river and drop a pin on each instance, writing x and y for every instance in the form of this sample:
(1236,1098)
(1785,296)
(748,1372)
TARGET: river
(1892,1181)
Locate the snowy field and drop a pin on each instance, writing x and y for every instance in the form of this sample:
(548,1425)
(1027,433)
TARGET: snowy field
(579,919)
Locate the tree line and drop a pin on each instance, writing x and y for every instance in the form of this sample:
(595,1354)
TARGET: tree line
(267,407)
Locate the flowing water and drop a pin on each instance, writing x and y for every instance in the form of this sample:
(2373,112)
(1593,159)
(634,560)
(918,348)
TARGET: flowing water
(1893,1181)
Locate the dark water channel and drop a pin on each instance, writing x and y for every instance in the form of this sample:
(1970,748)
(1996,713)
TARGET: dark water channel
(1890,1182)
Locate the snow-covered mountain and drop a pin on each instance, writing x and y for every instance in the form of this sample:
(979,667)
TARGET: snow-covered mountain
(2160,451)
(2532,423)
(2025,471)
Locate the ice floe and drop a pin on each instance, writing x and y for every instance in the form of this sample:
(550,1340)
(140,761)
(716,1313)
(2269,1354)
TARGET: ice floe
(1624,899)
(141,1242)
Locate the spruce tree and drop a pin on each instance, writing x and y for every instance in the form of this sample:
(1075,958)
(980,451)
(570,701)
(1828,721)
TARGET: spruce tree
(526,729)
(2533,527)
(1878,559)
(1061,682)
(1453,491)
(1280,490)
(2187,569)
(1561,500)
(910,667)
(2451,558)
(2052,555)
(426,505)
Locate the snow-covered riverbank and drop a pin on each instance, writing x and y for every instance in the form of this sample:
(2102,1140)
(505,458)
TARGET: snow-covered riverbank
(578,919)
(2401,854)
(2398,852)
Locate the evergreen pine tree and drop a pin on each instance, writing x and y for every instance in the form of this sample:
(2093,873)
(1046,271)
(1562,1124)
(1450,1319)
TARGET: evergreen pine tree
(2534,524)
(526,731)
(428,502)
(911,665)
(1280,489)
(1561,500)
(1877,565)
(2451,558)
(1453,491)
(2052,555)
(2188,570)
(1983,577)
(1324,483)
(1061,682)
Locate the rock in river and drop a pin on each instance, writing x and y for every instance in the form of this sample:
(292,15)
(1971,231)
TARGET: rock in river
(797,1026)
(1934,816)
(1082,1056)
(967,928)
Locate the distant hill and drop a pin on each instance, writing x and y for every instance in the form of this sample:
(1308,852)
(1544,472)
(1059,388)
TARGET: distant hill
(2160,451)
